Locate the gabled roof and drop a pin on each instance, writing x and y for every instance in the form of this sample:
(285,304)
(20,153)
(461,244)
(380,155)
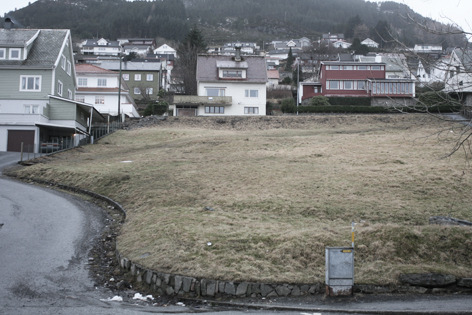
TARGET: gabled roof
(9,38)
(45,49)
(207,69)
(94,43)
(86,68)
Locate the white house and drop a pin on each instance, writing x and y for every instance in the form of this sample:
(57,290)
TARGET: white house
(165,50)
(341,44)
(370,43)
(100,47)
(100,87)
(226,85)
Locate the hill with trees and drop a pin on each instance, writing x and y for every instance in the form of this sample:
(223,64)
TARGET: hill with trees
(244,20)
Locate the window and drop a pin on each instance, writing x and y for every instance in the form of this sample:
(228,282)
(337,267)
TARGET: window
(59,88)
(30,83)
(149,77)
(69,94)
(69,68)
(126,76)
(375,68)
(232,74)
(137,91)
(99,100)
(137,77)
(348,85)
(252,93)
(333,85)
(347,67)
(63,62)
(15,54)
(149,91)
(215,92)
(361,67)
(82,82)
(3,53)
(361,85)
(31,109)
(317,89)
(101,82)
(333,67)
(80,98)
(214,110)
(251,110)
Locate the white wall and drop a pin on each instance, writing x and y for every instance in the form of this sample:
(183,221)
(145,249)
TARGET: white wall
(239,100)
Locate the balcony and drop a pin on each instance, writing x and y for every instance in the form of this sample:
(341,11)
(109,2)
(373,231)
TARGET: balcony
(202,100)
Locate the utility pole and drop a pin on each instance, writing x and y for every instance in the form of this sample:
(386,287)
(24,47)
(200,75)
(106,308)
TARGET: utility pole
(119,92)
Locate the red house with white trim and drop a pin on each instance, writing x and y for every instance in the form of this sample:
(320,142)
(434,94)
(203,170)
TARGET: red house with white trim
(355,79)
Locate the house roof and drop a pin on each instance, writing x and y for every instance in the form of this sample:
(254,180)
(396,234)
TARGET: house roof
(273,74)
(45,49)
(85,68)
(9,38)
(130,65)
(207,70)
(94,43)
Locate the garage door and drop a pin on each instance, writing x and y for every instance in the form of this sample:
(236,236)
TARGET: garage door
(186,112)
(16,137)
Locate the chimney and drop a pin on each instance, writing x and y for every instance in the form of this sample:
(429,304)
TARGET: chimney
(238,52)
(8,23)
(378,58)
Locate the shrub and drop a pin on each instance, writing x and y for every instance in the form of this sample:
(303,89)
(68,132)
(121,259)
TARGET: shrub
(288,105)
(350,101)
(320,101)
(154,108)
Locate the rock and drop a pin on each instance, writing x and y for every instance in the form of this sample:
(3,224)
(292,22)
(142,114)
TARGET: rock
(242,289)
(211,288)
(283,290)
(266,290)
(427,279)
(230,288)
(448,221)
(186,284)
(465,282)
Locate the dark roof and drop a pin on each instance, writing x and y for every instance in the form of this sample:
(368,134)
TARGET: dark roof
(94,43)
(44,51)
(207,68)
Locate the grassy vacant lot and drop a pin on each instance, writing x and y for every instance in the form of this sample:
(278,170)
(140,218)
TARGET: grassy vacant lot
(280,190)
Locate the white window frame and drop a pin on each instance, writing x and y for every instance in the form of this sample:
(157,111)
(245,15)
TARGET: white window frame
(214,109)
(99,100)
(137,91)
(69,67)
(24,83)
(348,82)
(251,93)
(31,109)
(209,91)
(149,77)
(126,76)
(63,62)
(137,77)
(149,91)
(332,87)
(60,87)
(82,81)
(251,110)
(80,98)
(69,94)
(15,50)
(3,53)
(101,82)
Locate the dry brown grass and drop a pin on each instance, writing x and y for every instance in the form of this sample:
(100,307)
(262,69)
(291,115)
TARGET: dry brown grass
(281,190)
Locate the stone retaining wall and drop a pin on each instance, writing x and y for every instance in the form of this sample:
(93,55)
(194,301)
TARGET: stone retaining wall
(171,284)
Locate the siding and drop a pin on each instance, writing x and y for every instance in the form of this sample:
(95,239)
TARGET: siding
(10,84)
(59,110)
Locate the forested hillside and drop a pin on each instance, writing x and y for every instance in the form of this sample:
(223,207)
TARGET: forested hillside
(223,20)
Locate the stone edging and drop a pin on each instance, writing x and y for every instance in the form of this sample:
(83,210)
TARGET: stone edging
(173,284)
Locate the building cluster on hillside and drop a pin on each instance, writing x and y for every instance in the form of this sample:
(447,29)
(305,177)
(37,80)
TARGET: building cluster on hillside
(51,94)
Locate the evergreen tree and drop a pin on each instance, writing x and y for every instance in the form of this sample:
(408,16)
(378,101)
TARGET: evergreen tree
(288,65)
(188,51)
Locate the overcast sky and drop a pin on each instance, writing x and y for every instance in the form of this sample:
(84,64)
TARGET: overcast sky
(446,11)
